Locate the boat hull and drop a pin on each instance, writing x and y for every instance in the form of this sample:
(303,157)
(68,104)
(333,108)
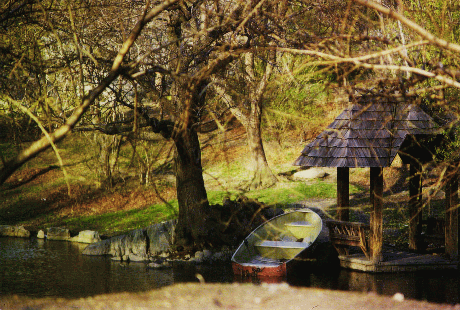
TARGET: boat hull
(278,245)
(279,271)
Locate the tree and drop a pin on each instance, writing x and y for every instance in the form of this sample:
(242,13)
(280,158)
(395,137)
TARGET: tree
(195,43)
(40,66)
(176,59)
(246,104)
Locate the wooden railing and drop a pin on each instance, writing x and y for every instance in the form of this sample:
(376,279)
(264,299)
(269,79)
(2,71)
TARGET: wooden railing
(345,234)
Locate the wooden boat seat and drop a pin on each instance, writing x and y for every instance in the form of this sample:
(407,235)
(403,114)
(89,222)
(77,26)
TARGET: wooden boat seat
(299,229)
(282,244)
(299,224)
(280,249)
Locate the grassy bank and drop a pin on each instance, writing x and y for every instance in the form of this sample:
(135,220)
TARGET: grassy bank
(37,196)
(47,205)
(112,222)
(40,195)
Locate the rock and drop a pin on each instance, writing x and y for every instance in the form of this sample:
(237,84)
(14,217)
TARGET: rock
(198,258)
(398,297)
(137,258)
(7,231)
(22,232)
(138,244)
(207,254)
(14,231)
(312,173)
(57,233)
(135,242)
(222,256)
(41,234)
(98,248)
(86,236)
(208,257)
(161,237)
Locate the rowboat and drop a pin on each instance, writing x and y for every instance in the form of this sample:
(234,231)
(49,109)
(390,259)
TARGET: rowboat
(277,244)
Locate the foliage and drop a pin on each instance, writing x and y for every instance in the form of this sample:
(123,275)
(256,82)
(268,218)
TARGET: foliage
(16,127)
(59,63)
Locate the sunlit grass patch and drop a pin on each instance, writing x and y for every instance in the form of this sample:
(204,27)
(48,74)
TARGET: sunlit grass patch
(281,195)
(114,223)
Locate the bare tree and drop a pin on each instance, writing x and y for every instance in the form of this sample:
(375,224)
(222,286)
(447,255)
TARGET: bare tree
(245,101)
(176,59)
(196,40)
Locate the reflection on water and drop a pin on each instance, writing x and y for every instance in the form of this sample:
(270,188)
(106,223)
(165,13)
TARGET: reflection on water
(434,286)
(37,268)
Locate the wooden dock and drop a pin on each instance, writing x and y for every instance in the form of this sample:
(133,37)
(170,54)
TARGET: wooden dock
(397,261)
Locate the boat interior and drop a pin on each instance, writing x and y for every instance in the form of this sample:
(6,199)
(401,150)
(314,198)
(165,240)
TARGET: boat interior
(280,239)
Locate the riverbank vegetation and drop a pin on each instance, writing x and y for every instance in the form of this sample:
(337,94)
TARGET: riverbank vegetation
(114,115)
(37,195)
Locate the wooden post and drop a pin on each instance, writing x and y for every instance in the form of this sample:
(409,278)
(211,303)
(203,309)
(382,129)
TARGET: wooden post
(415,199)
(376,222)
(343,193)
(451,224)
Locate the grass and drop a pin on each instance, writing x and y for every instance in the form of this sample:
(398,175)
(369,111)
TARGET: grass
(7,149)
(114,223)
(43,201)
(285,193)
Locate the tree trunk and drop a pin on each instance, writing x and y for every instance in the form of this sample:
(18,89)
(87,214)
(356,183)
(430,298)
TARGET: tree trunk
(262,174)
(191,229)
(189,96)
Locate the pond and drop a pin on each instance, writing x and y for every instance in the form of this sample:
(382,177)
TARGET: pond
(39,268)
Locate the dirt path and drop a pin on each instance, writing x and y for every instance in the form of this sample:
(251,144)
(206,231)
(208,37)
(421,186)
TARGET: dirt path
(228,296)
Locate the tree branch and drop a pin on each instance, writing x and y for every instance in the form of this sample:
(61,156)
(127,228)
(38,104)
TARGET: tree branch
(44,143)
(421,31)
(228,100)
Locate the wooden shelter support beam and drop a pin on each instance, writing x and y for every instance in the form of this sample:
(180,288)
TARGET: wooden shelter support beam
(451,220)
(415,204)
(343,193)
(376,221)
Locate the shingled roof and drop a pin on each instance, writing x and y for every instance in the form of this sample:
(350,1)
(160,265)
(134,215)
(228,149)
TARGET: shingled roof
(367,134)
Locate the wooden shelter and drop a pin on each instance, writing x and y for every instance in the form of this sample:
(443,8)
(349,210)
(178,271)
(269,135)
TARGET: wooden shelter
(370,134)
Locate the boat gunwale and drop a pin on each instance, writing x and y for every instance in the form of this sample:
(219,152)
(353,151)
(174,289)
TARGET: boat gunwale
(244,243)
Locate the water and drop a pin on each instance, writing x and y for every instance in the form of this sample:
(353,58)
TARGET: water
(432,286)
(39,268)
